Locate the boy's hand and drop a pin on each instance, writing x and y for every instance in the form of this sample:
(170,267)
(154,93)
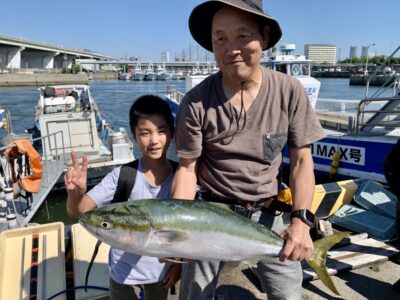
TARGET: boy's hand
(76,177)
(172,276)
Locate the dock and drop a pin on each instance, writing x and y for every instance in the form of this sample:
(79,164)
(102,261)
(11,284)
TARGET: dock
(24,208)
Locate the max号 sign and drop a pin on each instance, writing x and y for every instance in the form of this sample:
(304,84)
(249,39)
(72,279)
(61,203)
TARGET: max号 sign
(350,154)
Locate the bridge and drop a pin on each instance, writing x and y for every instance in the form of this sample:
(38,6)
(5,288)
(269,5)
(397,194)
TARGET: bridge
(19,53)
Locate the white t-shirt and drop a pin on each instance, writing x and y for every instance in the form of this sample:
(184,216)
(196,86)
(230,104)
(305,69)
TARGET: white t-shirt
(125,267)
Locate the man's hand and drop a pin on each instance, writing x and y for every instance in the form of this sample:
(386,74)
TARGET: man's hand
(299,245)
(76,177)
(173,275)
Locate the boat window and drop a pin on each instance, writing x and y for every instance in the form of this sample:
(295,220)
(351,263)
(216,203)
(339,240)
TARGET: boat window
(281,68)
(295,69)
(306,70)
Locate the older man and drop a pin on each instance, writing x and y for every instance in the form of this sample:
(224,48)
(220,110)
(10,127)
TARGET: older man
(231,129)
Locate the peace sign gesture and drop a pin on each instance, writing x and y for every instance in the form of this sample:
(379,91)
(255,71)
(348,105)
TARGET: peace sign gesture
(76,177)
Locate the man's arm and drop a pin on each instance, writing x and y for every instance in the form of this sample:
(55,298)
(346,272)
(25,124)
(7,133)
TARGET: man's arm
(299,245)
(185,180)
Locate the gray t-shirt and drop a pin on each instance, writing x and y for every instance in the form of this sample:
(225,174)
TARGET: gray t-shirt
(126,267)
(244,164)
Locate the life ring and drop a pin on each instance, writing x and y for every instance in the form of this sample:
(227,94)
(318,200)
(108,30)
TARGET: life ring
(30,183)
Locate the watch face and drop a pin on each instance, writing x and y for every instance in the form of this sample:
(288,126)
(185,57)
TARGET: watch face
(310,216)
(305,215)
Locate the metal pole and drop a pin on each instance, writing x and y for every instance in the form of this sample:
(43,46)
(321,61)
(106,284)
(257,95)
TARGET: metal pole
(366,61)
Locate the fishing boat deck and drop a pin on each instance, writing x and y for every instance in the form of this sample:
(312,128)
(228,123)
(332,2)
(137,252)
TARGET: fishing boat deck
(25,208)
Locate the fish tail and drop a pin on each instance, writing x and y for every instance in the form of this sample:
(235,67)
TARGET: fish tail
(318,258)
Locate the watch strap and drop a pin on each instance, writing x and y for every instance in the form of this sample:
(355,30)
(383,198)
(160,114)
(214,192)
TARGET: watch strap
(305,215)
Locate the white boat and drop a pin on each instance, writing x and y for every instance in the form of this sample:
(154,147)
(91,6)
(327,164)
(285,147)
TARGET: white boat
(297,66)
(149,73)
(197,71)
(72,111)
(138,74)
(125,76)
(177,76)
(162,74)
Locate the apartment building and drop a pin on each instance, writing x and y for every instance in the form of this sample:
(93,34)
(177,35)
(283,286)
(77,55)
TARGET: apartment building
(321,53)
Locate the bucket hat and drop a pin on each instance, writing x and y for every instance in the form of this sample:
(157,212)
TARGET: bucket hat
(200,20)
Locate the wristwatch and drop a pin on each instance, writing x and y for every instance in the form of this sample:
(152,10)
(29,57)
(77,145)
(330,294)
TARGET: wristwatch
(305,215)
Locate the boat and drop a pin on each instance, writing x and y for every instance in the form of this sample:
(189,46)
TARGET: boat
(149,73)
(197,71)
(174,97)
(162,74)
(125,76)
(138,74)
(177,75)
(296,66)
(71,110)
(360,133)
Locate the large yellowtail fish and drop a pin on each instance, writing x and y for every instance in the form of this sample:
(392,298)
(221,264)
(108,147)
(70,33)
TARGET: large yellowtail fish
(194,230)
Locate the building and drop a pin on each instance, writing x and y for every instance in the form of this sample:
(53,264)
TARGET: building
(165,56)
(353,52)
(321,53)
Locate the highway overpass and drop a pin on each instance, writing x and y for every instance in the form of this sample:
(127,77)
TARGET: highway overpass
(19,53)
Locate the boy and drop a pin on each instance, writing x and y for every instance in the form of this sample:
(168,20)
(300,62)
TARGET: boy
(152,127)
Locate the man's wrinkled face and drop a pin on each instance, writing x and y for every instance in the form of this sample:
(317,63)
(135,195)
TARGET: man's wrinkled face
(237,43)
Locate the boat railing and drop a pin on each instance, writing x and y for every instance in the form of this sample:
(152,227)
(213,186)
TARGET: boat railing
(371,120)
(173,94)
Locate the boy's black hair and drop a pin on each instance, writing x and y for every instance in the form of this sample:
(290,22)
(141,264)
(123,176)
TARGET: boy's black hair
(149,105)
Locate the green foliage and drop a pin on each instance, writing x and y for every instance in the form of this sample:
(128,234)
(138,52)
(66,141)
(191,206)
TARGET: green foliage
(75,69)
(378,60)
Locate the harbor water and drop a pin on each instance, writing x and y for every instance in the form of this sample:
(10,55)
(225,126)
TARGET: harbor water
(114,99)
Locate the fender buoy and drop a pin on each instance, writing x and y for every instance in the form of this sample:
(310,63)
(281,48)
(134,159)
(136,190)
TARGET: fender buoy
(335,163)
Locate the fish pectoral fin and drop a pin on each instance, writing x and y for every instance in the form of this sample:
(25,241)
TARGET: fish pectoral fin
(175,260)
(221,205)
(252,263)
(170,236)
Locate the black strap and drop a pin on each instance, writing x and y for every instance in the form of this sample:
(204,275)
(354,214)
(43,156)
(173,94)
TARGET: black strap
(96,250)
(126,180)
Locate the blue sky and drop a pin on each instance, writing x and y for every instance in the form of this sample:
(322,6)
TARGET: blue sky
(124,28)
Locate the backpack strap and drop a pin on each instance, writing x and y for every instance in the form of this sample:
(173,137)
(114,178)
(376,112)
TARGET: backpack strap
(174,165)
(126,181)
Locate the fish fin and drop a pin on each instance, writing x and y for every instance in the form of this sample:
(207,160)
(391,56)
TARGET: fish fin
(170,236)
(175,260)
(253,262)
(318,258)
(221,205)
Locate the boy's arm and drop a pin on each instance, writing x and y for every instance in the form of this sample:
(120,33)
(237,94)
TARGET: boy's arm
(77,206)
(75,183)
(185,180)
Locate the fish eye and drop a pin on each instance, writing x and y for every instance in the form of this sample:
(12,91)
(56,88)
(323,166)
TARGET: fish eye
(105,225)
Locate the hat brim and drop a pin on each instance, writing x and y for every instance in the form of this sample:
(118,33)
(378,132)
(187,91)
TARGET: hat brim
(200,23)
